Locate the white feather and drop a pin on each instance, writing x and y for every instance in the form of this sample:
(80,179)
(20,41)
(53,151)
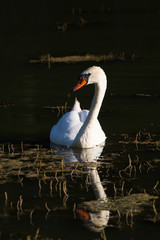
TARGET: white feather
(81,128)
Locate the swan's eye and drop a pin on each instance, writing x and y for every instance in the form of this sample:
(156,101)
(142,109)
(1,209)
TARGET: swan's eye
(85,76)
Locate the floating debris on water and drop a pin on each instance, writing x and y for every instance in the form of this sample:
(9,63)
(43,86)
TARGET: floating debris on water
(57,182)
(85,58)
(136,202)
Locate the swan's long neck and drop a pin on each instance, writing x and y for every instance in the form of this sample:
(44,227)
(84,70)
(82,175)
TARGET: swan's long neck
(86,135)
(96,102)
(97,185)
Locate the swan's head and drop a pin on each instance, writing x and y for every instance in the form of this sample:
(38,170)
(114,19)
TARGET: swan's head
(92,75)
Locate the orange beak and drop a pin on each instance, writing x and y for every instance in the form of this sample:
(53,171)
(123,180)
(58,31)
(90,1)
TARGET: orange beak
(80,84)
(82,214)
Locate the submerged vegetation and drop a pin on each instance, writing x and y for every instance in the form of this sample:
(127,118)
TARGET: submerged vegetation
(56,173)
(38,161)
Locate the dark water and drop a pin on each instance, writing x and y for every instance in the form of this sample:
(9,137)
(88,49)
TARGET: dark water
(28,93)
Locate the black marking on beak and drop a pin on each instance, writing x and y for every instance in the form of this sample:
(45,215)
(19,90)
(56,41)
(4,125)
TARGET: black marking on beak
(85,76)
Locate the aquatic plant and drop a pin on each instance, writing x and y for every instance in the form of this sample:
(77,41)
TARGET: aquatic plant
(123,165)
(85,58)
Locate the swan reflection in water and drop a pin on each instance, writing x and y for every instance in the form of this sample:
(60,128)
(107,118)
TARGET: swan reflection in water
(98,220)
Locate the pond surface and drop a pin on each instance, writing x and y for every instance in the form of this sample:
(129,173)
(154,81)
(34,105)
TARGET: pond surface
(60,193)
(47,192)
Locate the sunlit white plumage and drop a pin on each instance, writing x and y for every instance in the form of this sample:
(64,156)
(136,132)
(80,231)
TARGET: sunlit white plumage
(81,128)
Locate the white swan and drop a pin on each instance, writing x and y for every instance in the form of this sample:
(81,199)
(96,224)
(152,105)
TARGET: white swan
(81,128)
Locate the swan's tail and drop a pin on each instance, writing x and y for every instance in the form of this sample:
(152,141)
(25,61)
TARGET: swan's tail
(76,106)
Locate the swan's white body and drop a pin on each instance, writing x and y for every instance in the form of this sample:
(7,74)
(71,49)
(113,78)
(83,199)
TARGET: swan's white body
(81,128)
